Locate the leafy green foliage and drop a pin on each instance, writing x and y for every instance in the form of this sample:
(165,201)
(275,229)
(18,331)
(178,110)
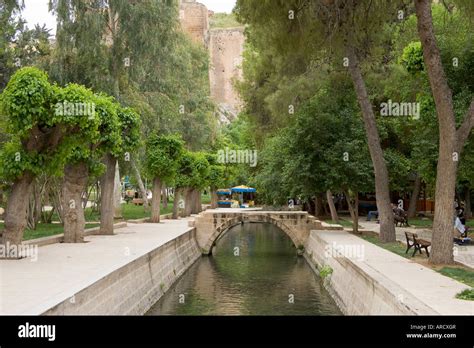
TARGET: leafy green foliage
(110,131)
(166,81)
(162,156)
(412,57)
(193,170)
(10,25)
(324,148)
(14,160)
(27,101)
(215,178)
(467,294)
(130,125)
(223,20)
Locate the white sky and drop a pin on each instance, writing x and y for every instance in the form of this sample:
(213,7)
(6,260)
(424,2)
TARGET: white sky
(36,11)
(219,5)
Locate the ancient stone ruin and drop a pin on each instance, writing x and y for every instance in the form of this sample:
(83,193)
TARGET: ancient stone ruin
(225,47)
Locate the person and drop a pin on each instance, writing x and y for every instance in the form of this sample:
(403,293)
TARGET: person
(460,213)
(371,214)
(460,232)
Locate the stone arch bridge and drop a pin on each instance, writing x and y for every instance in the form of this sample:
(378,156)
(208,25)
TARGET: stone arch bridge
(210,224)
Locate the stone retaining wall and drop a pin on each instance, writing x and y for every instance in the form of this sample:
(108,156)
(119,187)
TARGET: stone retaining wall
(358,289)
(135,287)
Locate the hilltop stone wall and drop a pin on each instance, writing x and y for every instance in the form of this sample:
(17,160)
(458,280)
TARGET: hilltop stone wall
(225,47)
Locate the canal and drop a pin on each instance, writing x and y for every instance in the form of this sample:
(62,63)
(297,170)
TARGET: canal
(253,270)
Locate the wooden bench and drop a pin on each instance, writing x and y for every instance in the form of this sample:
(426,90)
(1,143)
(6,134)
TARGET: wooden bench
(137,201)
(417,243)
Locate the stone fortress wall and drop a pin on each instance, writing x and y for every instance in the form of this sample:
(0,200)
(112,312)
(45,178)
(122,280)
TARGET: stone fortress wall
(225,47)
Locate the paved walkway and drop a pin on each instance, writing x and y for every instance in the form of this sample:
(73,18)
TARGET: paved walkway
(61,270)
(433,289)
(463,253)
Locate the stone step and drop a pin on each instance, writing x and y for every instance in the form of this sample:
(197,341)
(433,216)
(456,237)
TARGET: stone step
(335,227)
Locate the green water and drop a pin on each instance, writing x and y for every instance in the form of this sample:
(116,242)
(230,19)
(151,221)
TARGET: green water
(254,270)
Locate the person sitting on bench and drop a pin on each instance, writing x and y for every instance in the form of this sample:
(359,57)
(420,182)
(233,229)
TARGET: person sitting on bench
(460,232)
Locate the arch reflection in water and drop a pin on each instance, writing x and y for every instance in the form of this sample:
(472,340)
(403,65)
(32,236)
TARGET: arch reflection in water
(254,270)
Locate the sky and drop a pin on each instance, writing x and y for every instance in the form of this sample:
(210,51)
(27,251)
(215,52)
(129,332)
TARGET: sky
(36,11)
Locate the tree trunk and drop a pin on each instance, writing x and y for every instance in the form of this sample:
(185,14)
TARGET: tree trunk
(382,191)
(195,201)
(56,198)
(353,210)
(199,201)
(156,200)
(117,193)
(214,198)
(140,185)
(34,205)
(164,192)
(449,149)
(15,212)
(107,196)
(332,207)
(414,197)
(467,203)
(318,206)
(177,193)
(188,206)
(74,184)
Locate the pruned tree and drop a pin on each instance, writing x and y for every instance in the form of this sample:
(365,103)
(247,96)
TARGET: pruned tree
(39,141)
(215,178)
(162,158)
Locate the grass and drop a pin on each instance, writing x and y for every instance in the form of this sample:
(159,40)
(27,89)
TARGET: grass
(343,222)
(206,198)
(420,222)
(45,230)
(129,211)
(462,274)
(467,294)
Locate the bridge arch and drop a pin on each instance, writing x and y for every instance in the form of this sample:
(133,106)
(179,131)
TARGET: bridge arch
(240,218)
(211,223)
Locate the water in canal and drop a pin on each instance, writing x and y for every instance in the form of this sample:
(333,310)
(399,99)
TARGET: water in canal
(254,270)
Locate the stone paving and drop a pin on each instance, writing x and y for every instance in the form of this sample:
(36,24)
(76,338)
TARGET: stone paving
(61,270)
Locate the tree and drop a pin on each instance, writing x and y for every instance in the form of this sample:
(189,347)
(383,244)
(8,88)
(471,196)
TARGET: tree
(162,158)
(10,25)
(197,182)
(79,160)
(215,177)
(121,134)
(452,138)
(143,60)
(322,149)
(343,33)
(192,175)
(40,139)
